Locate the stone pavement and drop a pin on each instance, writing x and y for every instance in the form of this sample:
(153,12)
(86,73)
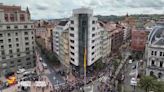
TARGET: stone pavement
(48,88)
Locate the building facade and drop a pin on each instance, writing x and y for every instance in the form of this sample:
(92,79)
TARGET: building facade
(117,36)
(105,42)
(84,39)
(17,41)
(61,42)
(155,53)
(64,48)
(138,41)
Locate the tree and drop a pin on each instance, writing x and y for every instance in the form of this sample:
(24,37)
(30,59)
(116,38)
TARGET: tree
(147,83)
(98,65)
(115,63)
(159,86)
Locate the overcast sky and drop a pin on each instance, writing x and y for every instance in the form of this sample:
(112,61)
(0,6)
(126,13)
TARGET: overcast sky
(63,8)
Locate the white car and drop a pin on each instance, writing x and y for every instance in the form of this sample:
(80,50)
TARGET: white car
(45,65)
(40,59)
(27,73)
(21,71)
(130,61)
(133,82)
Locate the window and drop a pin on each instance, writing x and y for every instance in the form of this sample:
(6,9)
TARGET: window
(31,32)
(32,37)
(152,52)
(72,47)
(152,63)
(9,40)
(12,17)
(72,53)
(11,56)
(72,35)
(93,28)
(3,57)
(32,42)
(161,64)
(22,17)
(18,55)
(72,41)
(19,61)
(72,59)
(17,45)
(93,53)
(155,53)
(92,59)
(27,53)
(93,47)
(25,33)
(25,26)
(16,27)
(93,41)
(33,47)
(1,35)
(72,28)
(18,50)
(10,51)
(28,63)
(72,22)
(12,62)
(16,34)
(10,46)
(160,75)
(93,35)
(27,59)
(9,34)
(6,17)
(27,49)
(1,41)
(26,38)
(8,27)
(93,22)
(2,52)
(26,43)
(160,54)
(17,39)
(2,47)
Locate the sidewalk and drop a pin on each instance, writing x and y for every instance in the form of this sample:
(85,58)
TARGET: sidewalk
(11,89)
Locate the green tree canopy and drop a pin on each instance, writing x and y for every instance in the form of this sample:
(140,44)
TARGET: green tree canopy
(147,83)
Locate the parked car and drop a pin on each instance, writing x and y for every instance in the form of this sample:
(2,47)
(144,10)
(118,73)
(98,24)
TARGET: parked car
(45,65)
(27,73)
(130,61)
(40,59)
(134,67)
(22,70)
(133,82)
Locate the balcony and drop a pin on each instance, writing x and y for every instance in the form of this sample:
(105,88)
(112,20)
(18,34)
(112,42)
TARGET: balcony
(156,68)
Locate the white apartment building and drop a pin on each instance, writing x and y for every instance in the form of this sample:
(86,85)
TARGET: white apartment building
(16,38)
(155,53)
(57,31)
(84,34)
(105,42)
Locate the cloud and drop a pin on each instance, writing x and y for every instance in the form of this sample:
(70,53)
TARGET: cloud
(63,8)
(41,6)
